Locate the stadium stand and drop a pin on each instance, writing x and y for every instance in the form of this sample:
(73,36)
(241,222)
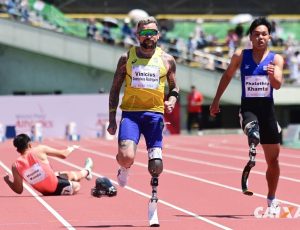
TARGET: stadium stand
(179,6)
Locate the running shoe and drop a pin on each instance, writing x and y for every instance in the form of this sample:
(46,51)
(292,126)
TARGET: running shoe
(89,166)
(274,207)
(122,176)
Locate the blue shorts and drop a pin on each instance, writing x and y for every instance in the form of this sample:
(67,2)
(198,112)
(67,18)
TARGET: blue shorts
(150,124)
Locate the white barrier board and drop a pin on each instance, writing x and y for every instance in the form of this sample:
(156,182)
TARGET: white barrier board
(54,112)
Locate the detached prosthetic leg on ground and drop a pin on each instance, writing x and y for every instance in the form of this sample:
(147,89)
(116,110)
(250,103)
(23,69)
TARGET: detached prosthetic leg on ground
(252,131)
(155,168)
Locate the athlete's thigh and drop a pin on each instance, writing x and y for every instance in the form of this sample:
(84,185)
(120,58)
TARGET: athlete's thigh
(129,127)
(64,187)
(269,131)
(152,128)
(247,116)
(268,125)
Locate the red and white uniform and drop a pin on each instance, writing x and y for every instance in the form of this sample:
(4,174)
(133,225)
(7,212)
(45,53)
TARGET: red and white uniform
(38,174)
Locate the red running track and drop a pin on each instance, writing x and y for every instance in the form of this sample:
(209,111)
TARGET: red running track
(199,189)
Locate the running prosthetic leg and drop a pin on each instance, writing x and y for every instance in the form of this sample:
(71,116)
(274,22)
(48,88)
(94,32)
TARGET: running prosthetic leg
(252,131)
(247,169)
(152,206)
(155,168)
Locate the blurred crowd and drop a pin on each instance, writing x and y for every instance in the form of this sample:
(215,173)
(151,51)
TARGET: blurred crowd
(22,11)
(200,49)
(17,9)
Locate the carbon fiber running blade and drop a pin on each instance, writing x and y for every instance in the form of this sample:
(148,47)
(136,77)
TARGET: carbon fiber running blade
(244,180)
(152,213)
(248,192)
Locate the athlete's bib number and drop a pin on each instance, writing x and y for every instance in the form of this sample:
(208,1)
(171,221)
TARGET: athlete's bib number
(257,86)
(146,77)
(34,174)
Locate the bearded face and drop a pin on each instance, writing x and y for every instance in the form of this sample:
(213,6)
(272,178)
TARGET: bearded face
(148,36)
(148,44)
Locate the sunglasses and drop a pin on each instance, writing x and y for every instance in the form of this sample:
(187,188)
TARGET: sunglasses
(148,32)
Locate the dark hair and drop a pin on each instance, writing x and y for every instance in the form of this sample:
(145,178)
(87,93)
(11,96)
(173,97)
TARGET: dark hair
(146,21)
(258,22)
(21,142)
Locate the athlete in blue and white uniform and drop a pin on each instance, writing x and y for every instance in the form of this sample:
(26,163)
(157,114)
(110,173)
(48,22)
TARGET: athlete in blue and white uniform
(257,102)
(261,72)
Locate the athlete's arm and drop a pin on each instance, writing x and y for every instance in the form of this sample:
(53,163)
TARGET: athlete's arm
(170,63)
(275,70)
(17,184)
(49,151)
(114,93)
(225,80)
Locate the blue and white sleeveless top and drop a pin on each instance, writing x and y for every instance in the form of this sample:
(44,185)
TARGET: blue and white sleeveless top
(254,77)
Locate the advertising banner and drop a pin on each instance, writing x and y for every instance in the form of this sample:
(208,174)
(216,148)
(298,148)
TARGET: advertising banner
(55,112)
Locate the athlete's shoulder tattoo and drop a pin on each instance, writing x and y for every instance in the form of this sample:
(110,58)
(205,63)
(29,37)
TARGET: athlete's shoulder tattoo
(169,62)
(117,83)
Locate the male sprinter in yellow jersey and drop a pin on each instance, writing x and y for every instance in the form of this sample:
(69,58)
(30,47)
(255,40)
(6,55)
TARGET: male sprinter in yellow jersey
(145,70)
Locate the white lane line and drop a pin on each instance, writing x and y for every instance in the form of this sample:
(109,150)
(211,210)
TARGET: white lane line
(44,203)
(98,153)
(209,153)
(225,186)
(225,167)
(216,146)
(216,165)
(237,149)
(186,176)
(148,196)
(192,177)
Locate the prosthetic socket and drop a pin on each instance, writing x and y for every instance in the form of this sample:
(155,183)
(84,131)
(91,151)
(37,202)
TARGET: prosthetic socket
(252,131)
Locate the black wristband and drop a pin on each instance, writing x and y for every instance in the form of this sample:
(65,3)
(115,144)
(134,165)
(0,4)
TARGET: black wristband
(174,94)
